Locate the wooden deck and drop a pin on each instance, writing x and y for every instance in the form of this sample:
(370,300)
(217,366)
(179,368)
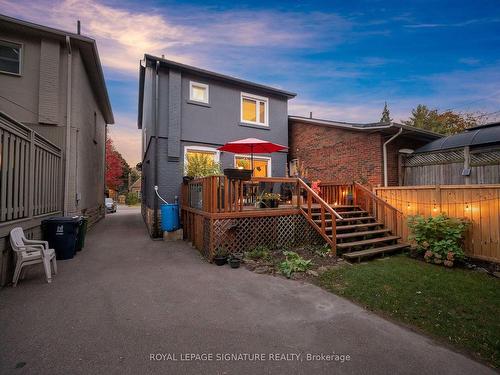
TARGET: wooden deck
(219,212)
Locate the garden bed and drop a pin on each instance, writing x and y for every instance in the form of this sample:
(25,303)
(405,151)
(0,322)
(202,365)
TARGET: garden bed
(266,261)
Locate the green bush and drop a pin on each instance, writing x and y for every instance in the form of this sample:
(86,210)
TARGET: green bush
(201,165)
(293,263)
(259,252)
(131,199)
(439,238)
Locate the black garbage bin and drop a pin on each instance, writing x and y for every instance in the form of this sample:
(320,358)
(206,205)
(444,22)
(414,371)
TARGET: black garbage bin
(82,231)
(62,233)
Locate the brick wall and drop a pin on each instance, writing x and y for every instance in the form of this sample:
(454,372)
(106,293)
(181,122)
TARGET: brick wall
(333,154)
(343,155)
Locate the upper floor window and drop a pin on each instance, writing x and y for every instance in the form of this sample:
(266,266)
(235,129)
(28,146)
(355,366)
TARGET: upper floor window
(10,57)
(198,92)
(254,109)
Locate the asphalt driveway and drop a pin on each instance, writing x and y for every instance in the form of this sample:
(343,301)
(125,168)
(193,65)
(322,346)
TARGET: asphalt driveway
(126,298)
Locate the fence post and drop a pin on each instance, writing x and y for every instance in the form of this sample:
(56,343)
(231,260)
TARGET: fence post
(31,176)
(438,197)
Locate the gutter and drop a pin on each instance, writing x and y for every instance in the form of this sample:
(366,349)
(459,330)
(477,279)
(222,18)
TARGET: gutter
(384,147)
(156,229)
(68,130)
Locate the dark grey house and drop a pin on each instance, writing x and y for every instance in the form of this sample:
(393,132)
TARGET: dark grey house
(184,109)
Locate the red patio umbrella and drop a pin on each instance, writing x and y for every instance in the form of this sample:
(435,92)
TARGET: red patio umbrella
(252,146)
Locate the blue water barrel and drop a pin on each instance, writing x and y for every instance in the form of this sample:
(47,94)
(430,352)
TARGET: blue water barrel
(170,217)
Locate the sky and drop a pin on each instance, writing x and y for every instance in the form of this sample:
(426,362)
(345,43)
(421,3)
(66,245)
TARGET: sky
(344,59)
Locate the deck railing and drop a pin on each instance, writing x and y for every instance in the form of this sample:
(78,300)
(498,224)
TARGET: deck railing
(221,195)
(312,198)
(30,172)
(336,194)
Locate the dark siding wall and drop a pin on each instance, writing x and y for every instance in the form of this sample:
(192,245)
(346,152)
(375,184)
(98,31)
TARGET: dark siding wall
(209,126)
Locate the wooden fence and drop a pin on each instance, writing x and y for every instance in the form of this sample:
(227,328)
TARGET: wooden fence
(30,172)
(478,203)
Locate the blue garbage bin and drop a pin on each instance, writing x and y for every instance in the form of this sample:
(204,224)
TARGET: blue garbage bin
(170,217)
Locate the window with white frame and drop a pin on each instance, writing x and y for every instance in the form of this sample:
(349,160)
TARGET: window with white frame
(10,57)
(261,164)
(254,109)
(200,155)
(198,92)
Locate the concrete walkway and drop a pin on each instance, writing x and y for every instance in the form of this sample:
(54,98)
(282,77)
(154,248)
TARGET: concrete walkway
(126,297)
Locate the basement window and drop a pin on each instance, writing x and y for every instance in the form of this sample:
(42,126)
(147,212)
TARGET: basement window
(10,57)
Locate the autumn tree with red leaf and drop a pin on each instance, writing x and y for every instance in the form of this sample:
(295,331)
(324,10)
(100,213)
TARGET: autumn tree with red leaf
(115,166)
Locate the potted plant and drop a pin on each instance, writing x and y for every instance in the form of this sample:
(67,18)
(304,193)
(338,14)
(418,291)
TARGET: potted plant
(235,260)
(220,257)
(269,200)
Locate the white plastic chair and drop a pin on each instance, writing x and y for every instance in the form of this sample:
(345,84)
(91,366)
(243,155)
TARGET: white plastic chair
(29,252)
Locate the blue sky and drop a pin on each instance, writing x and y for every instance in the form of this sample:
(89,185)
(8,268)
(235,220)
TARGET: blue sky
(344,59)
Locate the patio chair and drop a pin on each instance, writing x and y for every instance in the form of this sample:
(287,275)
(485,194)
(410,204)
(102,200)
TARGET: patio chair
(30,252)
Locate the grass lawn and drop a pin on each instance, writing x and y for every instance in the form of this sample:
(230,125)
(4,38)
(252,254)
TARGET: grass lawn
(460,306)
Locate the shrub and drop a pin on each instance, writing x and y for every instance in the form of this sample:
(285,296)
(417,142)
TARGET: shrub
(131,199)
(293,263)
(201,165)
(439,238)
(259,252)
(322,251)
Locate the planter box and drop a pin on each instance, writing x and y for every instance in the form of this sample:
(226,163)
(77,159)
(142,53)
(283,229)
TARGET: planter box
(238,174)
(274,203)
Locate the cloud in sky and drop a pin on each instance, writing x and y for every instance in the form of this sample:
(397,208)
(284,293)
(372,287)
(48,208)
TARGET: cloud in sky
(343,63)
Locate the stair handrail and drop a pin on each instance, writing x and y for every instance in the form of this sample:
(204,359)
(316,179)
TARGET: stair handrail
(319,199)
(376,197)
(396,226)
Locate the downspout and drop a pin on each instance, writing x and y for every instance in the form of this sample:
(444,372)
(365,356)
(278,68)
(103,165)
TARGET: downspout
(68,130)
(155,182)
(385,152)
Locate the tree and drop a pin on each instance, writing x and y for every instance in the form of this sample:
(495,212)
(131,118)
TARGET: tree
(447,122)
(113,166)
(386,114)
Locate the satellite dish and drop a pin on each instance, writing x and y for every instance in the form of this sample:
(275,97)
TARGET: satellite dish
(406,151)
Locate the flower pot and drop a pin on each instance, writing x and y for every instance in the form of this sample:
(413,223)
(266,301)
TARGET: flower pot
(238,174)
(220,260)
(234,263)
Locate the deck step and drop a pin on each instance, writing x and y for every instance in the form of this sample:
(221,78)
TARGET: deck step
(360,212)
(342,206)
(364,233)
(357,226)
(374,251)
(346,219)
(371,241)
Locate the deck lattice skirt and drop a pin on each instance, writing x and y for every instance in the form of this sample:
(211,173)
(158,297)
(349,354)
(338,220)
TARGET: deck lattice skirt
(243,234)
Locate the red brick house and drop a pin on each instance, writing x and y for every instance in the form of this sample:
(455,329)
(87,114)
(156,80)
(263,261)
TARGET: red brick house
(343,152)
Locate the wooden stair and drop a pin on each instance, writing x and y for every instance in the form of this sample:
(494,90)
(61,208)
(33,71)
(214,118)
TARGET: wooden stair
(358,234)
